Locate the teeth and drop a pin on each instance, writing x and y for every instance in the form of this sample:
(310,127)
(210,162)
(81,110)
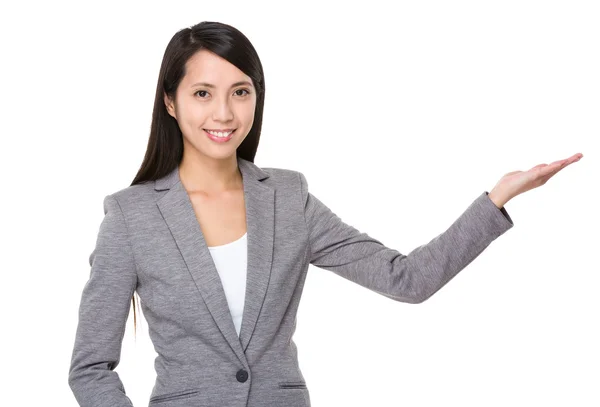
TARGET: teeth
(219,134)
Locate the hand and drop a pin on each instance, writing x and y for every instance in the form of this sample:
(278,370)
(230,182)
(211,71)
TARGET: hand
(517,182)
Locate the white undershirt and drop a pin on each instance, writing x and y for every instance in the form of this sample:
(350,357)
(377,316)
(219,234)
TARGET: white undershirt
(231,262)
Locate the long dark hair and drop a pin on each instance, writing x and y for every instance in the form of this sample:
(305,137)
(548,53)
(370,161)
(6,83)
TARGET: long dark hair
(165,144)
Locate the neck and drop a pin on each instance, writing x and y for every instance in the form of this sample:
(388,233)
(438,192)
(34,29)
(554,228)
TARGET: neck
(210,176)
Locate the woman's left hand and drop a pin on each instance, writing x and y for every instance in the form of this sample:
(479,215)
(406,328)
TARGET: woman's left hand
(517,182)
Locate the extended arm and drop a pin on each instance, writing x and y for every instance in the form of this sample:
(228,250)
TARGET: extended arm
(412,278)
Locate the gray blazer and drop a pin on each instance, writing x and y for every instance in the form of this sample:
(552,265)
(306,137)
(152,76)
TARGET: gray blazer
(150,241)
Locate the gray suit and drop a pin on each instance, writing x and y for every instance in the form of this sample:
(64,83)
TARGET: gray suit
(150,241)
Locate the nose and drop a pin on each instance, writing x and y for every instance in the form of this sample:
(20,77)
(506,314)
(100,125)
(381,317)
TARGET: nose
(222,111)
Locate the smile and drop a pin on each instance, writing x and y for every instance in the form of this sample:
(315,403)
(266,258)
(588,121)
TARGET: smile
(219,137)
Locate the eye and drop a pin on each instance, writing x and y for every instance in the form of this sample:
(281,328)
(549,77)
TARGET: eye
(244,90)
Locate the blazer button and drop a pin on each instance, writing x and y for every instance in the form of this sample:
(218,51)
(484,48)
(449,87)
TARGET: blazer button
(241,375)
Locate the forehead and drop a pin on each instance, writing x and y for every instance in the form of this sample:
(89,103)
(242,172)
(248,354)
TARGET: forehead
(205,66)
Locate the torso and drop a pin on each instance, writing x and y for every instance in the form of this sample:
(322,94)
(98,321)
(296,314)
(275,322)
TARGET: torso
(222,219)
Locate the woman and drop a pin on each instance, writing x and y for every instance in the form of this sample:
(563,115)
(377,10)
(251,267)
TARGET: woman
(218,248)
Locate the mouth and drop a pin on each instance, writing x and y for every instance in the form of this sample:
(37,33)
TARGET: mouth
(220,132)
(220,136)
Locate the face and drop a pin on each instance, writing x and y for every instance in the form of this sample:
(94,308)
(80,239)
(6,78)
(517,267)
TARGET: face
(211,97)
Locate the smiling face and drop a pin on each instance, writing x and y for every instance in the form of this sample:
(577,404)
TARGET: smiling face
(213,95)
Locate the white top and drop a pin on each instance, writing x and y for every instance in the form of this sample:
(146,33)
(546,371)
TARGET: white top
(231,262)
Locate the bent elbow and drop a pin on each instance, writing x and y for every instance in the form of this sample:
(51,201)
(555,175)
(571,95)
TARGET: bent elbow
(417,299)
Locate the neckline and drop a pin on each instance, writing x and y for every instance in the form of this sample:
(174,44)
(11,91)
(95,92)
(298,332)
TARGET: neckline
(228,244)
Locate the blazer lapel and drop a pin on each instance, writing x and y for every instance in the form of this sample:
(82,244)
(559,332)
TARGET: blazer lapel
(178,212)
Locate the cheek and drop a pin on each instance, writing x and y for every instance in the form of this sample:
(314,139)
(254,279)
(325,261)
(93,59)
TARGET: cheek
(194,117)
(249,112)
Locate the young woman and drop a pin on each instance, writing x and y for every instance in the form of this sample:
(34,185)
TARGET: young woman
(217,248)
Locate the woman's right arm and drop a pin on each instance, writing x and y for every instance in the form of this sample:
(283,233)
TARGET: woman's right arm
(103,313)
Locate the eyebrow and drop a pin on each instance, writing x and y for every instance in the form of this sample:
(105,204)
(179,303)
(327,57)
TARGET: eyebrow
(209,85)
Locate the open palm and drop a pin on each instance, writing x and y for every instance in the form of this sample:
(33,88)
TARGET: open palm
(517,182)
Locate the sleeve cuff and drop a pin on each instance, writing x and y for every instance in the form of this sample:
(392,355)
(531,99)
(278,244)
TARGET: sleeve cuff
(492,207)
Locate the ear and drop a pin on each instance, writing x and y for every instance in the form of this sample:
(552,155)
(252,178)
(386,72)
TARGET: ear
(169,105)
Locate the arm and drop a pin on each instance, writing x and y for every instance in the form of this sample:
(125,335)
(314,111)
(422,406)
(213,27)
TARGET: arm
(103,312)
(412,278)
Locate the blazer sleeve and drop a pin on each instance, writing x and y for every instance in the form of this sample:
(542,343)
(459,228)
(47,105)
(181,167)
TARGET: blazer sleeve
(103,313)
(412,278)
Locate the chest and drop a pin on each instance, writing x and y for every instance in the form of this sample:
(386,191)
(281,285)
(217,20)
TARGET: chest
(222,219)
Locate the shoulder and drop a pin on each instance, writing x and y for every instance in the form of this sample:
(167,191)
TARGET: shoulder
(281,174)
(134,193)
(284,178)
(132,200)
(137,203)
(289,177)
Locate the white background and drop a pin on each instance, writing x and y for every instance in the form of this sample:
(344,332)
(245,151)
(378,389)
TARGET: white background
(399,114)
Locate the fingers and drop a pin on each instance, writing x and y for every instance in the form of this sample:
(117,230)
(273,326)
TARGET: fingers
(544,171)
(560,164)
(556,166)
(567,161)
(577,156)
(574,158)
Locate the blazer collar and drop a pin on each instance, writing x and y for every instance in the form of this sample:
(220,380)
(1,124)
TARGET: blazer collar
(247,168)
(178,213)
